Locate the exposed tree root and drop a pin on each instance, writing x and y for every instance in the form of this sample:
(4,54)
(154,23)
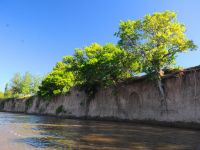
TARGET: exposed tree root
(164,107)
(195,85)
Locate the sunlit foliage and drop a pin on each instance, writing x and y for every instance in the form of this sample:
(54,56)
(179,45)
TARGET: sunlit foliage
(155,39)
(100,66)
(59,81)
(21,86)
(147,45)
(1,95)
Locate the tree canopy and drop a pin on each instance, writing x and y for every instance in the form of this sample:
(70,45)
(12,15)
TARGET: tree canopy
(21,86)
(59,81)
(155,39)
(100,66)
(148,45)
(1,95)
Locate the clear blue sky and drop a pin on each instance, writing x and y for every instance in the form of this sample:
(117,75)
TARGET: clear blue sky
(35,34)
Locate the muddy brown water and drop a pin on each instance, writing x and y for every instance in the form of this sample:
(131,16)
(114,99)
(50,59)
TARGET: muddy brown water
(30,132)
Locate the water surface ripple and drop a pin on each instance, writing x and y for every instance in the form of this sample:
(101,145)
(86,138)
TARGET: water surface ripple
(29,132)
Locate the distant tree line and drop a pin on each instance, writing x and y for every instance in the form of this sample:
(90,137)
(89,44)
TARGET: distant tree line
(22,86)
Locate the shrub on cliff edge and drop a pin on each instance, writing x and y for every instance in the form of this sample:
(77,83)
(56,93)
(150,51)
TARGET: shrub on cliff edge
(59,81)
(100,66)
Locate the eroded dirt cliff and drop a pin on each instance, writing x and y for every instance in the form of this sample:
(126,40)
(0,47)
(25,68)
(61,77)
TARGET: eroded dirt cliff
(133,99)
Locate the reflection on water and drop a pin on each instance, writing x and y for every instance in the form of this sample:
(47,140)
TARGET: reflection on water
(21,132)
(36,142)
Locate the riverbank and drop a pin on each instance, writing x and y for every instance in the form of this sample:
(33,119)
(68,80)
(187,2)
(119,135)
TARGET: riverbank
(134,100)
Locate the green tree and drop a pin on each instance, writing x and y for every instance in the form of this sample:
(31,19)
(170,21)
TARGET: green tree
(1,95)
(57,82)
(155,40)
(16,85)
(100,66)
(7,92)
(25,84)
(20,86)
(35,83)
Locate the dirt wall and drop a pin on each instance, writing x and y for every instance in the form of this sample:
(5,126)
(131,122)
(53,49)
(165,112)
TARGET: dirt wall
(134,99)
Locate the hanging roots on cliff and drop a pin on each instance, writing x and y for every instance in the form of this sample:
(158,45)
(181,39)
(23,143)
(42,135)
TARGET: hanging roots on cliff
(195,91)
(164,107)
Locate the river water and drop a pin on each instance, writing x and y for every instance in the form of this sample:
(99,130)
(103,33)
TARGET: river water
(29,132)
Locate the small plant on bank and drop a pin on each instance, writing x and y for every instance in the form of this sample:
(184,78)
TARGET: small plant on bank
(29,102)
(60,109)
